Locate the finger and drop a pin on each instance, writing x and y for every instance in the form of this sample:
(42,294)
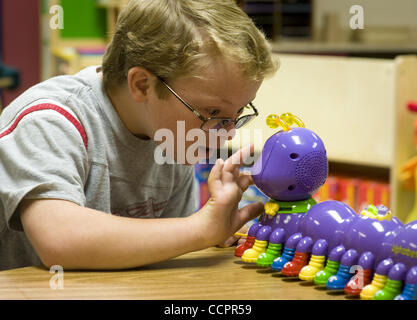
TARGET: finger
(241,241)
(236,173)
(216,171)
(228,176)
(231,241)
(244,181)
(250,178)
(250,212)
(221,245)
(244,229)
(242,232)
(236,160)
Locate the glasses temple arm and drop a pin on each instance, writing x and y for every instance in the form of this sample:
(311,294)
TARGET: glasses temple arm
(253,107)
(180,99)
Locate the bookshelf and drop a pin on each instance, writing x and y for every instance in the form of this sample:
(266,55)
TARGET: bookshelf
(322,27)
(281,18)
(88,26)
(83,40)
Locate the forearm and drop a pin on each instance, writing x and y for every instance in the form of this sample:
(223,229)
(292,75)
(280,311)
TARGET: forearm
(82,238)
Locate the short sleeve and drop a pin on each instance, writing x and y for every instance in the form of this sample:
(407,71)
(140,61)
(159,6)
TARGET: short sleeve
(182,201)
(43,156)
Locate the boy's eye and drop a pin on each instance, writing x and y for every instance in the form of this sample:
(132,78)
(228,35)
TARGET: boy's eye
(213,113)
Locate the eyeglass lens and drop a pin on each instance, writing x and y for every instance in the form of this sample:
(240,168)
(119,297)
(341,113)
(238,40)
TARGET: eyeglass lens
(218,124)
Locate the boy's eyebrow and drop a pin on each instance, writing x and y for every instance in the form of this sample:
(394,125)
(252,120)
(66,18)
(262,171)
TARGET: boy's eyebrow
(224,100)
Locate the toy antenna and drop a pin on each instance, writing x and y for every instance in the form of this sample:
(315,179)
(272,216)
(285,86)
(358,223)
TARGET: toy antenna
(286,120)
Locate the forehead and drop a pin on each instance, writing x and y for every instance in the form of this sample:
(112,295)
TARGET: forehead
(222,84)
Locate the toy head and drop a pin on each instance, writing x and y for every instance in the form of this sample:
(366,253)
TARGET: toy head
(293,165)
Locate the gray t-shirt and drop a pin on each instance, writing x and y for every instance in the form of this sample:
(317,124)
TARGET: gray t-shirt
(62,139)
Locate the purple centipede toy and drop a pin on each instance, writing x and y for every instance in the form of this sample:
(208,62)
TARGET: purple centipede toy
(370,254)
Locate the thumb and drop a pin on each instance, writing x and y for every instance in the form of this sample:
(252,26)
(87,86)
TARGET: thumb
(251,211)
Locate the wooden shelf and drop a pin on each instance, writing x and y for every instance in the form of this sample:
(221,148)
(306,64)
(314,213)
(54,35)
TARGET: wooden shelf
(345,169)
(342,47)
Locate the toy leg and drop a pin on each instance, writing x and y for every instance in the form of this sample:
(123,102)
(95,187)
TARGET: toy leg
(363,276)
(379,280)
(301,257)
(261,241)
(250,239)
(288,253)
(333,263)
(318,256)
(394,283)
(274,248)
(341,278)
(410,287)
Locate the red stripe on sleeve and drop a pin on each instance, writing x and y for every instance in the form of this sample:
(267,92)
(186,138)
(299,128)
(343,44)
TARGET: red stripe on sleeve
(49,106)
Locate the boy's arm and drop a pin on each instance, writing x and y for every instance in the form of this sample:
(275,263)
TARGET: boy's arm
(75,237)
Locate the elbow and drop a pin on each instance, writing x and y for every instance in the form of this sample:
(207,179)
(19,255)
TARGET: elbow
(52,253)
(53,247)
(49,231)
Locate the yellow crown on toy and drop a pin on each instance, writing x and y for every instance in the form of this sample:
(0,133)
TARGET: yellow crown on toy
(286,120)
(372,212)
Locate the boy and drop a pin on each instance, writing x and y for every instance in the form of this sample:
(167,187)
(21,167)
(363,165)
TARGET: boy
(74,149)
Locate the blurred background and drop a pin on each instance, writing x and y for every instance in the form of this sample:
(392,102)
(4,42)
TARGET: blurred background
(319,27)
(353,81)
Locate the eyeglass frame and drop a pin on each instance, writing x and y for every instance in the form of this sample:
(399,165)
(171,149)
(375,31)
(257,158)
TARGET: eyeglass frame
(204,119)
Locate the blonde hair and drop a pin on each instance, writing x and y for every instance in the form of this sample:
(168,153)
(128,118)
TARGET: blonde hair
(173,38)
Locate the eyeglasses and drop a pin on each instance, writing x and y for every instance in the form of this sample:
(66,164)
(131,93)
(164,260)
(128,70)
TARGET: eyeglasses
(216,123)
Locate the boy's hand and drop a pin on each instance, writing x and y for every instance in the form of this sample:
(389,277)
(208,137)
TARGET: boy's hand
(233,239)
(221,217)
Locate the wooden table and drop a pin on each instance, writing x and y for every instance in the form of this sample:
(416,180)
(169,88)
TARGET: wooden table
(214,274)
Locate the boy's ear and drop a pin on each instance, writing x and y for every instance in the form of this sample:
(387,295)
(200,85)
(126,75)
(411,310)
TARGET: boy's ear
(139,83)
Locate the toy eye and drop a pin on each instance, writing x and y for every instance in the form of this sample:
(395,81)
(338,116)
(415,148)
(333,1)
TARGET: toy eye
(291,187)
(294,156)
